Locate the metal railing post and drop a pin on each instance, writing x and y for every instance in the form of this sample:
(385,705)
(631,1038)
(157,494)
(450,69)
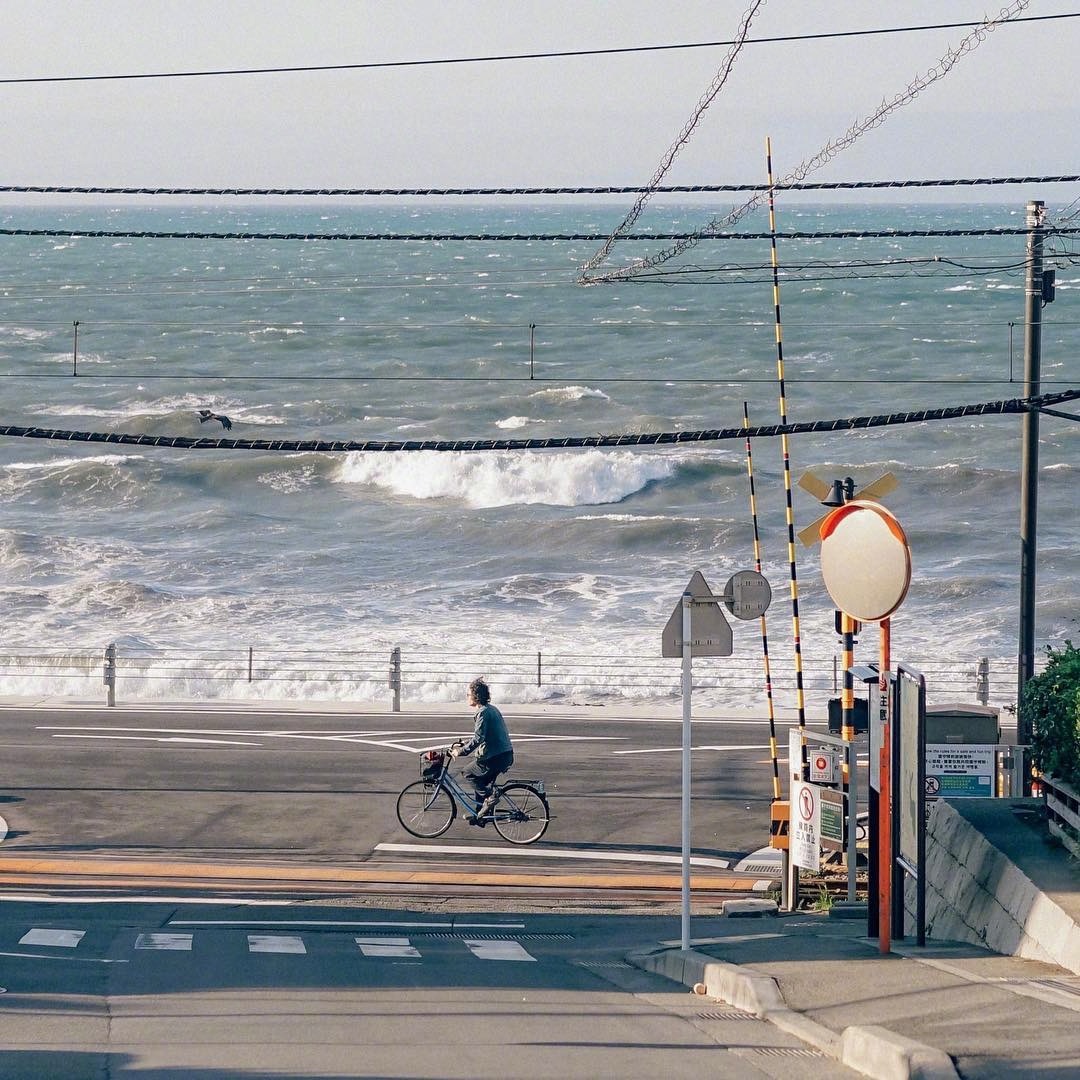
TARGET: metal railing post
(395,676)
(251,664)
(109,677)
(537,668)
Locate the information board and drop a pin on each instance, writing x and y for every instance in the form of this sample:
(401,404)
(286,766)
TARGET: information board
(958,771)
(832,819)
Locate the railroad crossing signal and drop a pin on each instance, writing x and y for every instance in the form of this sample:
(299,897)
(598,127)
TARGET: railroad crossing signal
(821,491)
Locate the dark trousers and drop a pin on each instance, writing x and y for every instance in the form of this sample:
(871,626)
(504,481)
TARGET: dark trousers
(482,774)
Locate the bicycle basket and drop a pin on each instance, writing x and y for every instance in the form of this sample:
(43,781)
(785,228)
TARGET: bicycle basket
(431,764)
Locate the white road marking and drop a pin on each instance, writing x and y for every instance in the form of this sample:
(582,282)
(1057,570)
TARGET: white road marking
(498,950)
(57,956)
(554,853)
(160,739)
(178,942)
(390,740)
(387,946)
(275,943)
(66,939)
(678,749)
(381,925)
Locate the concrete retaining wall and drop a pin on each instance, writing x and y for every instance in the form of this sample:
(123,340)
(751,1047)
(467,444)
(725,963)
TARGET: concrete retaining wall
(974,893)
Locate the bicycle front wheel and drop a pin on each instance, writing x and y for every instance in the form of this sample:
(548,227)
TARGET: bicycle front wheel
(521,815)
(425,809)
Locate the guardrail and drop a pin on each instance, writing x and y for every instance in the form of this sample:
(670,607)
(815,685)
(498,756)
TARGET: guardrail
(368,674)
(1062,811)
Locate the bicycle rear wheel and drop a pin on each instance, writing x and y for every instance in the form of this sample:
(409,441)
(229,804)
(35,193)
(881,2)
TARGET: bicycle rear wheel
(521,815)
(425,809)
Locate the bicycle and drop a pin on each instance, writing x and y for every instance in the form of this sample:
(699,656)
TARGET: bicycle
(427,807)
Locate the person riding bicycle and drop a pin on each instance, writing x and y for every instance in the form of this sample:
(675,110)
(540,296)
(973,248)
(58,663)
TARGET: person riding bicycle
(496,752)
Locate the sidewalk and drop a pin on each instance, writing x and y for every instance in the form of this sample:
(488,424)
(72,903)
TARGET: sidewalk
(948,1009)
(942,1011)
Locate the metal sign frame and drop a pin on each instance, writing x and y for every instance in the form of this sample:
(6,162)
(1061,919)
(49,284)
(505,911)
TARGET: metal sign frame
(908,782)
(849,756)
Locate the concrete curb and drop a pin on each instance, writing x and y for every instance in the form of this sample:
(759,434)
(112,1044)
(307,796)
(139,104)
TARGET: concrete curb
(874,1051)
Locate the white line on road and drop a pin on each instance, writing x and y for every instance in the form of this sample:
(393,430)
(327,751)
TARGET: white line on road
(498,950)
(387,946)
(66,939)
(160,739)
(555,853)
(678,749)
(275,943)
(383,924)
(58,956)
(177,942)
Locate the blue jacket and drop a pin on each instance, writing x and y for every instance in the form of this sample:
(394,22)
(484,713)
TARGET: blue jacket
(490,734)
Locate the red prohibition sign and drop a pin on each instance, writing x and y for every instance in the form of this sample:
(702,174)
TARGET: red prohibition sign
(806,804)
(821,764)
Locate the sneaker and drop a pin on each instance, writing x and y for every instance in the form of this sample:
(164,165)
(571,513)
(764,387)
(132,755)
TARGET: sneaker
(472,819)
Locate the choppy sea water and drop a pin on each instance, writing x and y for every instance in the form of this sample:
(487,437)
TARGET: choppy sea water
(574,552)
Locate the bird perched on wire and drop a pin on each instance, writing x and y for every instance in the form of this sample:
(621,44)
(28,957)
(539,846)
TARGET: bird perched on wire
(206,414)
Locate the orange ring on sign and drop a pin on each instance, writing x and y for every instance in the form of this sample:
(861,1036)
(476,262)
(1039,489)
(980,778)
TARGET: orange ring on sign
(865,560)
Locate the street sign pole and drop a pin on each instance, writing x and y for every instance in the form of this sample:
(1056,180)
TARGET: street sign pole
(687,687)
(747,596)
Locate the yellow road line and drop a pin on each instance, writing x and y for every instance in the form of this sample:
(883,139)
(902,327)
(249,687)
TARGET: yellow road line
(25,870)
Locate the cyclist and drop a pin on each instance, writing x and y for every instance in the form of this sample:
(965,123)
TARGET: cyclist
(495,751)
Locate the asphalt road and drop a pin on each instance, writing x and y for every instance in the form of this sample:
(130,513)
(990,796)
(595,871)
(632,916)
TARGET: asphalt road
(488,985)
(208,992)
(321,786)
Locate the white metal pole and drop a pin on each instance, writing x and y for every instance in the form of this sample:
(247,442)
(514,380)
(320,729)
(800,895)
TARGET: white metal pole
(852,763)
(686,692)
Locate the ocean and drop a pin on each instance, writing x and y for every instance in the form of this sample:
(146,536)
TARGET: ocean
(479,561)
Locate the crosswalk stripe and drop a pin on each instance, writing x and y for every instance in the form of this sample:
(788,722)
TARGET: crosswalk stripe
(386,946)
(178,942)
(67,939)
(483,948)
(275,943)
(497,950)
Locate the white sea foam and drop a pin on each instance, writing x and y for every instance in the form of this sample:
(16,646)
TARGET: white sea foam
(570,393)
(591,477)
(511,423)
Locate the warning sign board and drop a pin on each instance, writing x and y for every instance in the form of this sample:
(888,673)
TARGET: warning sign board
(805,828)
(824,765)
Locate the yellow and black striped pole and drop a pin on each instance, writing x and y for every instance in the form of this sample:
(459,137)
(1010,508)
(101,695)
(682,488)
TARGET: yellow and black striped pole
(764,626)
(800,700)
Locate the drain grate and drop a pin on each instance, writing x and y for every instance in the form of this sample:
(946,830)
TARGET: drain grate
(764,869)
(456,934)
(604,964)
(787,1052)
(731,1014)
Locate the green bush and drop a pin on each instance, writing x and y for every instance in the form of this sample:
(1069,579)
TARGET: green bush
(1051,703)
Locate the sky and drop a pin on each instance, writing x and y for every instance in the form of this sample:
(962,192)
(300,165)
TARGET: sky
(1008,108)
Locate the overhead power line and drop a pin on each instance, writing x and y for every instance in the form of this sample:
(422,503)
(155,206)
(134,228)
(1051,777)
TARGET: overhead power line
(661,438)
(834,234)
(504,57)
(628,189)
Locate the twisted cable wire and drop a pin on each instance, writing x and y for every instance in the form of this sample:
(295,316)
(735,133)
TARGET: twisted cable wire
(659,438)
(826,154)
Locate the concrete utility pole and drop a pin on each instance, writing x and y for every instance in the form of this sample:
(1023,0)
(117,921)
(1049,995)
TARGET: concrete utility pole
(1029,462)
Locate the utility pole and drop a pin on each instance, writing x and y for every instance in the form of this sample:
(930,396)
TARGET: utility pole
(1029,463)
